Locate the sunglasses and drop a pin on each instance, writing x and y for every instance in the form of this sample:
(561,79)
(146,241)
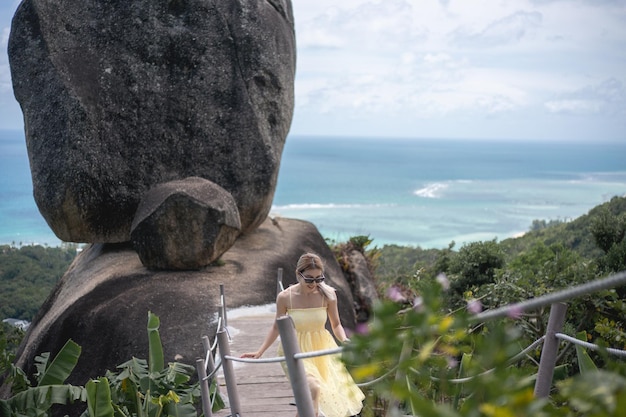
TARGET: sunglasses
(308,280)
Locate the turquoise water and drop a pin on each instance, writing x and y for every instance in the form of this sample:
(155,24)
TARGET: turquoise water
(409,192)
(429,192)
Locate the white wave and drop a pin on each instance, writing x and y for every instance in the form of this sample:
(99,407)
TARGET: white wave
(322,206)
(434,190)
(251,311)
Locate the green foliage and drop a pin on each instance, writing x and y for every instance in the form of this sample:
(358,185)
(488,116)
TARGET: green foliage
(10,338)
(139,388)
(402,261)
(148,388)
(557,256)
(539,271)
(38,400)
(27,274)
(475,265)
(596,394)
(425,362)
(99,403)
(360,242)
(609,231)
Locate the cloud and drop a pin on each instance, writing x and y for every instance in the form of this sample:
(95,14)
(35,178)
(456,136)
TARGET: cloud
(607,98)
(365,26)
(509,29)
(574,106)
(5,73)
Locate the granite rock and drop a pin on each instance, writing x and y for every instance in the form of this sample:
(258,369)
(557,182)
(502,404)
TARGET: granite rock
(184,224)
(119,96)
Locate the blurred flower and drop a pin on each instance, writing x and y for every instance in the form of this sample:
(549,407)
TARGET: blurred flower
(452,362)
(514,312)
(418,303)
(362,328)
(443,280)
(474,306)
(395,294)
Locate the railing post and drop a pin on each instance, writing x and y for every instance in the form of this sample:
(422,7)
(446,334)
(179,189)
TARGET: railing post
(279,281)
(297,376)
(405,354)
(550,350)
(210,364)
(229,373)
(204,388)
(223,305)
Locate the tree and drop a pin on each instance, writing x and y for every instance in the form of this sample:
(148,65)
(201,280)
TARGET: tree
(475,265)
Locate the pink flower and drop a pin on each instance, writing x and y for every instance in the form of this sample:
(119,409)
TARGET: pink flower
(443,280)
(395,294)
(452,362)
(514,312)
(418,303)
(362,328)
(474,306)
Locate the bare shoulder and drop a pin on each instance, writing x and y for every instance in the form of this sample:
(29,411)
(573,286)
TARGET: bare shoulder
(284,294)
(332,302)
(282,301)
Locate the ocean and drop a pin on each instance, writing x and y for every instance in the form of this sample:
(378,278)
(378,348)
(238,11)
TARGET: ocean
(421,192)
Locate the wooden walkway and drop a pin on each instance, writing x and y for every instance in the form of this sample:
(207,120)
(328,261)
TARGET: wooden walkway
(263,387)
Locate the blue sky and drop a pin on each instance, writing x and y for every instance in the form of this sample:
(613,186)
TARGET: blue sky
(503,70)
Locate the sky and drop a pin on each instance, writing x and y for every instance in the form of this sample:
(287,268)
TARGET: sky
(486,69)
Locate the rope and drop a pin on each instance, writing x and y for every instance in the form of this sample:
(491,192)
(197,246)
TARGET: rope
(610,282)
(219,326)
(525,351)
(511,361)
(588,345)
(213,372)
(250,360)
(313,354)
(380,378)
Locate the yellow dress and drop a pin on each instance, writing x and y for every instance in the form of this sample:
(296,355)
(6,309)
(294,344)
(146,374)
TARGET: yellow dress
(339,395)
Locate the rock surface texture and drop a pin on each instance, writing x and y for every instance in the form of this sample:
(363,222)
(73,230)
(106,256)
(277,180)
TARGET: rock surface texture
(119,96)
(184,224)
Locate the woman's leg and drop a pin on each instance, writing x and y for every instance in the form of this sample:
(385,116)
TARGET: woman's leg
(314,386)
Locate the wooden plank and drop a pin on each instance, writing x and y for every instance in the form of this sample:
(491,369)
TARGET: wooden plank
(264,390)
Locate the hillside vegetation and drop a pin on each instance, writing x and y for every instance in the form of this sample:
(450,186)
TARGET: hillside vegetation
(550,257)
(28,274)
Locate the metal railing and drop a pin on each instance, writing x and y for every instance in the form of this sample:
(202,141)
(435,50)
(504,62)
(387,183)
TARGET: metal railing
(293,357)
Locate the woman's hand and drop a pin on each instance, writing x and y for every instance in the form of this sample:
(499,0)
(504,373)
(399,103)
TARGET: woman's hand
(252,355)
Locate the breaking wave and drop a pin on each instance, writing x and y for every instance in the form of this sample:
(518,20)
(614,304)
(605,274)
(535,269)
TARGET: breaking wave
(434,190)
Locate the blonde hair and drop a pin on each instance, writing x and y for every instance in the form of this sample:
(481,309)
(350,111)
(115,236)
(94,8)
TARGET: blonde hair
(312,261)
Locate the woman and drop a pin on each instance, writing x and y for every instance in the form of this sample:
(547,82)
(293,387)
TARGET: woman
(310,303)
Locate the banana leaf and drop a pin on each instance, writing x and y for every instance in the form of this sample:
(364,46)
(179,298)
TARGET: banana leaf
(585,363)
(61,367)
(99,398)
(156,361)
(38,400)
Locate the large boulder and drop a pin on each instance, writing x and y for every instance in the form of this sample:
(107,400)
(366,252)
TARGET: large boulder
(107,313)
(362,284)
(119,96)
(184,224)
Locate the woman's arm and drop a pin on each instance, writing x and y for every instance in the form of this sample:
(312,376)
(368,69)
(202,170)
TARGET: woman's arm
(272,335)
(335,322)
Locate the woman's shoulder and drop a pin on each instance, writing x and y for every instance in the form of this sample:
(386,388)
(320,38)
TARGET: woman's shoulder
(286,293)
